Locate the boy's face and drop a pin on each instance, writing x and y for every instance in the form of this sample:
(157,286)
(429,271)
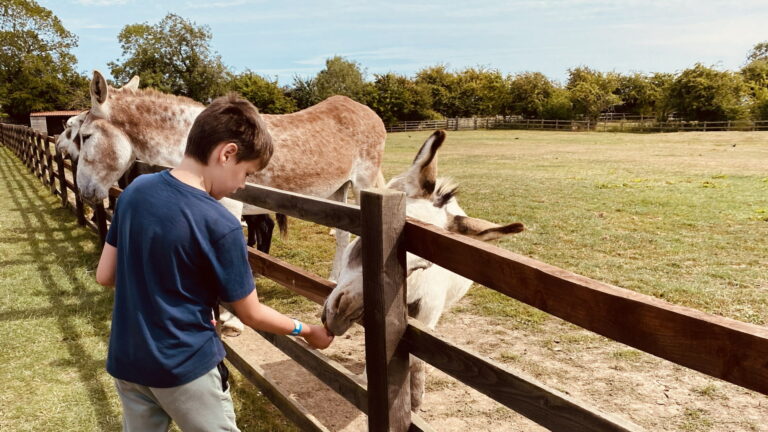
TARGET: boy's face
(227,174)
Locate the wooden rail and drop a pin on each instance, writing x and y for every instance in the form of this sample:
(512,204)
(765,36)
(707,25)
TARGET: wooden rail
(720,347)
(603,124)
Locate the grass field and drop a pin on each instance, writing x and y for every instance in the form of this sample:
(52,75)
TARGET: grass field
(683,217)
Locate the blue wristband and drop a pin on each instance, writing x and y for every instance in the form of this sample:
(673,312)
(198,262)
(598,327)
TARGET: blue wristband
(297,326)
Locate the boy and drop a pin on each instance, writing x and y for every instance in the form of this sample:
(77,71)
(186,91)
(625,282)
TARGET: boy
(172,250)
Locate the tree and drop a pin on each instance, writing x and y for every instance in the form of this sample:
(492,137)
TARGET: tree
(172,56)
(755,73)
(36,65)
(266,95)
(758,52)
(340,77)
(441,85)
(592,92)
(702,93)
(479,92)
(558,106)
(396,98)
(529,93)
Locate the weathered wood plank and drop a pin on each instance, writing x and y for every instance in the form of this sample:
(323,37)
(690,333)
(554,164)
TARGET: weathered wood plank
(342,381)
(283,401)
(292,277)
(322,211)
(79,208)
(539,403)
(385,318)
(731,350)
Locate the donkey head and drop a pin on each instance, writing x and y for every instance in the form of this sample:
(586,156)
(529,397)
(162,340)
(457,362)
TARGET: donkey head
(428,199)
(104,151)
(70,140)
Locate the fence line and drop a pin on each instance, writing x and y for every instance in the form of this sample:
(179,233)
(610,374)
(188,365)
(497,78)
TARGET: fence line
(720,347)
(604,124)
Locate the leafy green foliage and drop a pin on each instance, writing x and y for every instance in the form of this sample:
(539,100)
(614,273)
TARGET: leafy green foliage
(592,92)
(266,95)
(440,83)
(529,94)
(340,77)
(172,56)
(396,98)
(703,93)
(36,65)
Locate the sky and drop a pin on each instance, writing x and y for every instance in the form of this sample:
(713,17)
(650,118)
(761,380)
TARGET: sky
(283,39)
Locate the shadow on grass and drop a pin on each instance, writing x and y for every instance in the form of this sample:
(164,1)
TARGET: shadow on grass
(50,256)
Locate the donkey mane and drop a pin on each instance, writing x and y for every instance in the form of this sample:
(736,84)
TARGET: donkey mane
(445,190)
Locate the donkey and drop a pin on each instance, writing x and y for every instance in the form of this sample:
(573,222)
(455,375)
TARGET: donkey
(319,151)
(431,289)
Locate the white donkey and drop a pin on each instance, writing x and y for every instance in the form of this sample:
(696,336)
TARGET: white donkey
(431,289)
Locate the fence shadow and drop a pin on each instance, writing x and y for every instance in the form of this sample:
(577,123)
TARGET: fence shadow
(55,247)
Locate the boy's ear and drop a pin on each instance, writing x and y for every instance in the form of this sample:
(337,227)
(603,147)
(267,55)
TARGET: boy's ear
(227,150)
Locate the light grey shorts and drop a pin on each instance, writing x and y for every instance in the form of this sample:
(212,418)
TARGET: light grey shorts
(201,405)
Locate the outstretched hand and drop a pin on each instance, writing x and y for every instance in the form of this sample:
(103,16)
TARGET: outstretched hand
(318,336)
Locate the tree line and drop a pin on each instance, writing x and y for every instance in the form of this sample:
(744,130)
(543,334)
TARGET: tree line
(174,55)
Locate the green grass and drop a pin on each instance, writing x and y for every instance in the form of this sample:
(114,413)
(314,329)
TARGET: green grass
(682,217)
(55,320)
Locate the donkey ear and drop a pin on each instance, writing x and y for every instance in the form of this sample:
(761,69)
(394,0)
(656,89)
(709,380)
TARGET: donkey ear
(99,89)
(482,229)
(419,180)
(133,84)
(424,167)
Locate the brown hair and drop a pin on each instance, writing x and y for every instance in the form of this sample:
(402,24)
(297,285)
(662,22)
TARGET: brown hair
(230,118)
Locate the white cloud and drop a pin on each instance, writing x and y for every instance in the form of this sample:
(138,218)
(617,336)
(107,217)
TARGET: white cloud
(217,4)
(102,2)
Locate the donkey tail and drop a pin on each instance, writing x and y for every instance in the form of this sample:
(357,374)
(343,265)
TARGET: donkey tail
(282,224)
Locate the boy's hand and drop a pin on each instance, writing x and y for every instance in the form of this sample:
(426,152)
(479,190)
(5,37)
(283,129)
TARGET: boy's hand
(318,336)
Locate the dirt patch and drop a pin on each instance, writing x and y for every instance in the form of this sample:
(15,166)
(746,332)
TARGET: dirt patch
(611,377)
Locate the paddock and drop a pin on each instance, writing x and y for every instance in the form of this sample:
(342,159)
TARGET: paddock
(677,336)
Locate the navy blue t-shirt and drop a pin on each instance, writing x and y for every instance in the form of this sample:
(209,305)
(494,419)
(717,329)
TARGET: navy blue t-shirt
(178,250)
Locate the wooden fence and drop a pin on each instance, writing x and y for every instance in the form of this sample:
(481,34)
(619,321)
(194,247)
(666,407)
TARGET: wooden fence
(730,350)
(605,124)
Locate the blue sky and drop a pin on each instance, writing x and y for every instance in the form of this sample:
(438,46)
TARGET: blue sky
(287,38)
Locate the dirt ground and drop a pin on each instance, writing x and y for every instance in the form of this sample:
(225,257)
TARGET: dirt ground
(613,378)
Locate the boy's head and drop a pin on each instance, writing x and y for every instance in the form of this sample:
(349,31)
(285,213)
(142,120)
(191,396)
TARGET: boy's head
(230,119)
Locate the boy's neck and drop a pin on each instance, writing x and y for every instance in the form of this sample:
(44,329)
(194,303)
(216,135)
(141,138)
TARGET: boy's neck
(192,173)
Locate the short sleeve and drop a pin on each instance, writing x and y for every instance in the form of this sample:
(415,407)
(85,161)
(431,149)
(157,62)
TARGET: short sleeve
(231,268)
(112,233)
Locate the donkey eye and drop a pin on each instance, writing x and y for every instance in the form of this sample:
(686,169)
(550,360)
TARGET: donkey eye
(85,137)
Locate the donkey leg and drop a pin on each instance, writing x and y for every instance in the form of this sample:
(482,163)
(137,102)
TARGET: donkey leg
(260,227)
(418,369)
(342,237)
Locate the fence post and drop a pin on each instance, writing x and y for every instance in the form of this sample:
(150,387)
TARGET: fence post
(385,317)
(79,210)
(49,161)
(62,178)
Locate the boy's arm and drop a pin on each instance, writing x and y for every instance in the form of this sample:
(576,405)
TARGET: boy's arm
(259,316)
(105,272)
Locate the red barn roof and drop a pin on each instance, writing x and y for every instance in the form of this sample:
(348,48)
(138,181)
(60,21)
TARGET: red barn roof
(55,113)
